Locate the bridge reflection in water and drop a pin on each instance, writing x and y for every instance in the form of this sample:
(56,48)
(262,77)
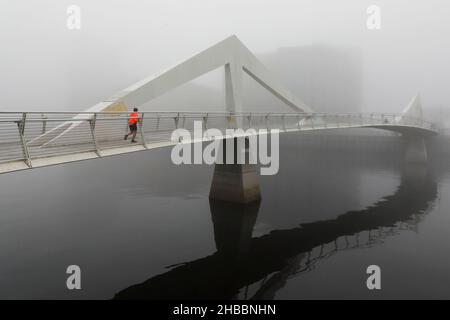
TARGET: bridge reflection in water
(268,262)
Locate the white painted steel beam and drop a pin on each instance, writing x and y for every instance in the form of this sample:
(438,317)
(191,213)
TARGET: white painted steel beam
(229,53)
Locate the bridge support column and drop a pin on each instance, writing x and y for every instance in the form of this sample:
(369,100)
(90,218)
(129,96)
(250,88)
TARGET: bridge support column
(234,182)
(416,150)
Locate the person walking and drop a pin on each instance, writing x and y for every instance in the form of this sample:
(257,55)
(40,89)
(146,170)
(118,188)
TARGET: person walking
(133,120)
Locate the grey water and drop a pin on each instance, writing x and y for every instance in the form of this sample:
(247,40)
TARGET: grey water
(141,227)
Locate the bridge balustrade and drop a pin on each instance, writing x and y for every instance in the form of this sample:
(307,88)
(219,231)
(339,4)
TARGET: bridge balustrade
(27,136)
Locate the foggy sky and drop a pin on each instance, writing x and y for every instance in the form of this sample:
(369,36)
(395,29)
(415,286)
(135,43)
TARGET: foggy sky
(45,66)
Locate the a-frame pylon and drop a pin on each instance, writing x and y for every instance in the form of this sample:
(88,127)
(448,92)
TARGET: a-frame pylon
(231,54)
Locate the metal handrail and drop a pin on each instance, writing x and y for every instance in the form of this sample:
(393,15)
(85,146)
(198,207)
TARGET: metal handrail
(26,136)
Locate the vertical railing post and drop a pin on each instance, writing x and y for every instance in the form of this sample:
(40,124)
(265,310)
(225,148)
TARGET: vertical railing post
(141,130)
(92,123)
(21,127)
(177,120)
(157,122)
(205,122)
(126,121)
(284,122)
(44,123)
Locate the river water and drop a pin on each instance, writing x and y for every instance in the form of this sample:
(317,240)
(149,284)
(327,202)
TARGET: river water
(139,226)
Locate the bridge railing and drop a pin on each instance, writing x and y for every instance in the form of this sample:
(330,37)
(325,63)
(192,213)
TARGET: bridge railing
(27,136)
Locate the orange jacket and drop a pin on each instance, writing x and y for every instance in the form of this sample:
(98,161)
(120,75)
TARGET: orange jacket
(133,118)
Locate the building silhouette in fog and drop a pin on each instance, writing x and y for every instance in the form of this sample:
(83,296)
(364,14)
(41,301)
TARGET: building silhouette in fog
(327,78)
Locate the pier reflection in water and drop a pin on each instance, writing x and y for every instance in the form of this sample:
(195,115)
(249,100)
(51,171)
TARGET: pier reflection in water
(141,227)
(267,262)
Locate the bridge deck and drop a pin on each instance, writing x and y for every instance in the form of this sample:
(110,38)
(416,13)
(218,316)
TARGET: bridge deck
(30,140)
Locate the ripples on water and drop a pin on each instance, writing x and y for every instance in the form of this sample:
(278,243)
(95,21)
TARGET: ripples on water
(140,227)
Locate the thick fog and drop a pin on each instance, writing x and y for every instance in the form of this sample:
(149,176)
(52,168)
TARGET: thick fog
(322,50)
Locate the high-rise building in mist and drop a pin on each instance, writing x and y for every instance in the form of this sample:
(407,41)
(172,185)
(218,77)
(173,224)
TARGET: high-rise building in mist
(329,79)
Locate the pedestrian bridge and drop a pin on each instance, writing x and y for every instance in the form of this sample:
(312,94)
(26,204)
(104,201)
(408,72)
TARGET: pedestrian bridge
(36,139)
(32,140)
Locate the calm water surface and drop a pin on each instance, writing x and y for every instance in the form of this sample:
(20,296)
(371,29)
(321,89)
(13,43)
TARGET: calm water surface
(141,227)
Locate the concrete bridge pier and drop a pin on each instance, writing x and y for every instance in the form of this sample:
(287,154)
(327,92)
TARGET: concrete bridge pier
(234,182)
(416,150)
